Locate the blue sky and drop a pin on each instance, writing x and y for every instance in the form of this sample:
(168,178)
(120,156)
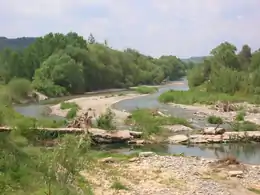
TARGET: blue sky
(156,27)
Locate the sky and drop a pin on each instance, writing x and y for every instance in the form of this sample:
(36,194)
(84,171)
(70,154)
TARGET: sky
(183,28)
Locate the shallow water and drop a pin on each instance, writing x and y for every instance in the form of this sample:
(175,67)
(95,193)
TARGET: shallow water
(247,153)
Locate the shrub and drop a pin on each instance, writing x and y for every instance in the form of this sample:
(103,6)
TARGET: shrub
(244,126)
(19,88)
(215,120)
(105,121)
(146,122)
(240,116)
(117,185)
(72,113)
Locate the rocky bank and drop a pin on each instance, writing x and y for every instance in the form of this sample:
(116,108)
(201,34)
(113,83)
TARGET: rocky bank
(150,174)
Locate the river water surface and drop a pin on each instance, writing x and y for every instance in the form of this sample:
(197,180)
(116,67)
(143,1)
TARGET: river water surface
(247,153)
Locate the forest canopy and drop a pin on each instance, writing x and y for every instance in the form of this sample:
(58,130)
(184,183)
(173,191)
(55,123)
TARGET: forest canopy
(59,64)
(228,70)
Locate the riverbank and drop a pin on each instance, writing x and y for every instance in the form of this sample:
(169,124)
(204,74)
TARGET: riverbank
(251,111)
(99,104)
(149,173)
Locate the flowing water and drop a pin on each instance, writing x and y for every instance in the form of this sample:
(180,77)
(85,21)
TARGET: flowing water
(247,153)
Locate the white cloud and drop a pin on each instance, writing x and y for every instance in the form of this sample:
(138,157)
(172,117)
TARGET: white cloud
(177,27)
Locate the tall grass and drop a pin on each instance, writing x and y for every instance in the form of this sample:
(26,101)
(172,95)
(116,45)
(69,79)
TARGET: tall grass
(202,97)
(146,89)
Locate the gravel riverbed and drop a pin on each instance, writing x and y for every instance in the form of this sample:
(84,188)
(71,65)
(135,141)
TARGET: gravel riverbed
(174,175)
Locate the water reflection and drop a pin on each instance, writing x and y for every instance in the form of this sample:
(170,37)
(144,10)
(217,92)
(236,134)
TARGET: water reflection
(247,153)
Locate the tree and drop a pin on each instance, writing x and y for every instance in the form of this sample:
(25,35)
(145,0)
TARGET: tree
(244,57)
(62,71)
(59,64)
(225,54)
(91,39)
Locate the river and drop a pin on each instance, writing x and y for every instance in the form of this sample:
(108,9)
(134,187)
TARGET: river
(247,153)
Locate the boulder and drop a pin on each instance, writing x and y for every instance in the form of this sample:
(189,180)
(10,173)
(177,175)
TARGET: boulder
(178,139)
(107,160)
(235,173)
(136,134)
(177,128)
(146,154)
(39,96)
(106,137)
(213,131)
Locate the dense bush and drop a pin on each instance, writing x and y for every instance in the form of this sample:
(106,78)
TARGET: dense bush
(105,121)
(19,88)
(225,75)
(215,120)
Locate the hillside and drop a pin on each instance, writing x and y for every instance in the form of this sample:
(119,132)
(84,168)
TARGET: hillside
(196,60)
(16,43)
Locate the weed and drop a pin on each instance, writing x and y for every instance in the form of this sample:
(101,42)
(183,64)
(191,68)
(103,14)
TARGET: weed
(240,116)
(105,121)
(215,120)
(119,186)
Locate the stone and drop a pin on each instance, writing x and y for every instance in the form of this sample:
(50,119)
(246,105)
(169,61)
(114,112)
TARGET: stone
(178,139)
(255,186)
(40,96)
(105,137)
(235,173)
(137,142)
(177,128)
(134,159)
(107,160)
(213,131)
(136,134)
(146,154)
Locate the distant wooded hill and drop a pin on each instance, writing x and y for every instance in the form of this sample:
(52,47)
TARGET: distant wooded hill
(194,59)
(16,43)
(23,42)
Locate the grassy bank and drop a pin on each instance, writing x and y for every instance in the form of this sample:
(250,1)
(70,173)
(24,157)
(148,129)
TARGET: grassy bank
(201,97)
(145,89)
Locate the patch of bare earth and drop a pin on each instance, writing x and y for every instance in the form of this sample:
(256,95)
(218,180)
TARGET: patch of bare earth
(171,175)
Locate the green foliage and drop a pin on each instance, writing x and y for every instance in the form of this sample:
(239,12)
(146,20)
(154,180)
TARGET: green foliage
(5,97)
(68,105)
(227,71)
(105,121)
(203,97)
(72,113)
(254,190)
(16,43)
(56,170)
(215,120)
(245,126)
(73,109)
(146,89)
(240,116)
(59,64)
(117,185)
(19,88)
(149,124)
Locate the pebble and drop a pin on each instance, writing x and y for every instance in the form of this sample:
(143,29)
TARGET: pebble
(146,154)
(235,173)
(190,171)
